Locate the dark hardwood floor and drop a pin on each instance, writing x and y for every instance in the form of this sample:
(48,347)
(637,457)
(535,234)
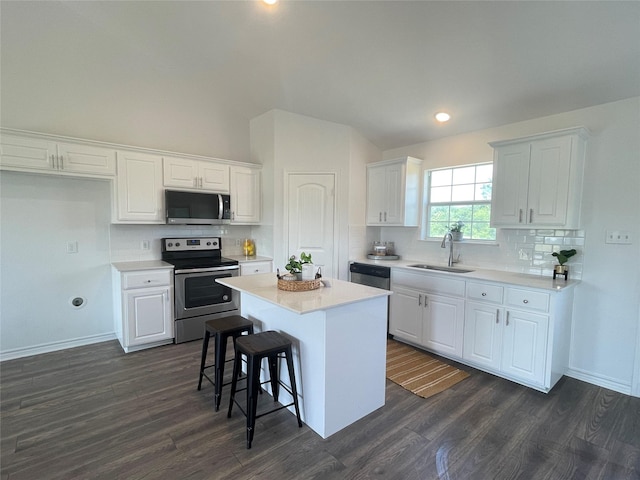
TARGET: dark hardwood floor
(95,413)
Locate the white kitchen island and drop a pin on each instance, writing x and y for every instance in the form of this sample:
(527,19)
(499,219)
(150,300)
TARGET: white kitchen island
(339,337)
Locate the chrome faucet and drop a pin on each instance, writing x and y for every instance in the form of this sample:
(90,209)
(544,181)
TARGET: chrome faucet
(449,237)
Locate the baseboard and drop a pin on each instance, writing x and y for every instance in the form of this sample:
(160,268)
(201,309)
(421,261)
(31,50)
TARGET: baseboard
(55,346)
(599,380)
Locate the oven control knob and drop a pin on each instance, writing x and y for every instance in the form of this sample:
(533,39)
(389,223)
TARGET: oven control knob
(215,243)
(225,297)
(177,244)
(169,244)
(208,244)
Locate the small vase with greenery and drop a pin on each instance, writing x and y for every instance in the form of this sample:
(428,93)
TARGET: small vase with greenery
(456,230)
(563,256)
(295,266)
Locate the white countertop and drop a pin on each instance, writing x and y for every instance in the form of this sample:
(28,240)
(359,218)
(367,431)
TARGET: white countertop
(265,286)
(245,259)
(511,278)
(141,265)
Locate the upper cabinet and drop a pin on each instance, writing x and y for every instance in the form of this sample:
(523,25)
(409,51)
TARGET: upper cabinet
(138,193)
(393,192)
(246,194)
(48,155)
(196,174)
(537,180)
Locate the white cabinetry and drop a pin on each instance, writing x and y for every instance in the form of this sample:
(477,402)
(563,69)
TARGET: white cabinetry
(138,192)
(254,268)
(245,195)
(519,333)
(537,180)
(47,154)
(393,192)
(144,306)
(196,174)
(428,311)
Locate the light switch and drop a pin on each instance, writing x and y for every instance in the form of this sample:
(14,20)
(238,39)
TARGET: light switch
(72,247)
(619,237)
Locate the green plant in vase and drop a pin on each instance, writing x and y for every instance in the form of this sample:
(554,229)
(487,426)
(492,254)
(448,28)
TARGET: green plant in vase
(456,230)
(563,257)
(295,266)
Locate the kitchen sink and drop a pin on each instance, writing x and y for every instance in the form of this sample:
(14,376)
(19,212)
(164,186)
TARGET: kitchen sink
(441,269)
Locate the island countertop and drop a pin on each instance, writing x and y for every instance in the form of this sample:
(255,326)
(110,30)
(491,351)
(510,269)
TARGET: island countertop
(335,294)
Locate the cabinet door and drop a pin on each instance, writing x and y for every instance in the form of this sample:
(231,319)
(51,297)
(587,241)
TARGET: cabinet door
(525,346)
(376,194)
(405,314)
(245,195)
(180,172)
(510,184)
(483,334)
(27,153)
(549,174)
(393,213)
(78,158)
(444,324)
(148,315)
(139,192)
(214,177)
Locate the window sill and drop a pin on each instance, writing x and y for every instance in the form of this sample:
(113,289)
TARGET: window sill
(492,243)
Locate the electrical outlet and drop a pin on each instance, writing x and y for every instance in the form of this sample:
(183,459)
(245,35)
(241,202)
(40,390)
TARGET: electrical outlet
(145,245)
(618,237)
(72,247)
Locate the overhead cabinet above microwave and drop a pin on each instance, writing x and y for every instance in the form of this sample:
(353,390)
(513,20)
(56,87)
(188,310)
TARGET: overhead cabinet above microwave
(537,180)
(196,174)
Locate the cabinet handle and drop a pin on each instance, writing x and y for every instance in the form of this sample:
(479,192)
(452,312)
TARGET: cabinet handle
(385,216)
(426,301)
(520,216)
(419,300)
(525,301)
(53,161)
(507,319)
(484,294)
(380,216)
(61,162)
(201,182)
(497,315)
(531,215)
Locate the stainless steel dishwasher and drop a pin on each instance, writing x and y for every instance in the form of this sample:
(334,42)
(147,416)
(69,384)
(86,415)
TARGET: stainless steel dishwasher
(371,275)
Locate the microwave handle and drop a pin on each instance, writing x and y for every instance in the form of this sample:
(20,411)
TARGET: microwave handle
(220,207)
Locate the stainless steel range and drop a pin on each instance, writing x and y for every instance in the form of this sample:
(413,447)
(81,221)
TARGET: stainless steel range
(198,297)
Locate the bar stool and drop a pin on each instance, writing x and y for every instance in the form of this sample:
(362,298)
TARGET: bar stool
(273,346)
(221,328)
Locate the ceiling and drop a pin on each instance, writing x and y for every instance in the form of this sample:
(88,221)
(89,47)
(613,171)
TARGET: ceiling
(189,76)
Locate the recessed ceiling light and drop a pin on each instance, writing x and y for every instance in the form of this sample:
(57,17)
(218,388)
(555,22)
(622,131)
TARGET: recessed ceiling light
(442,117)
(270,2)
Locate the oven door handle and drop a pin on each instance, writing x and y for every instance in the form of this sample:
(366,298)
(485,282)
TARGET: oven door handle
(207,270)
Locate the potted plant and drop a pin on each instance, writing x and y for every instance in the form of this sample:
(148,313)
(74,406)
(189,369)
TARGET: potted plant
(563,256)
(295,266)
(456,230)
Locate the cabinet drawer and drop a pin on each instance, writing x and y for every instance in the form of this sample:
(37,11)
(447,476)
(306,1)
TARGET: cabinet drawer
(253,268)
(147,278)
(527,299)
(484,292)
(428,283)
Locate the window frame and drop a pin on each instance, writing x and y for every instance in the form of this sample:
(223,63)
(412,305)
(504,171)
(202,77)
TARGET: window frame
(427,203)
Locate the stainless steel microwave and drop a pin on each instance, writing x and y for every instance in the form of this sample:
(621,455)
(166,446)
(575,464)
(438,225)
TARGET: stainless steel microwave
(197,208)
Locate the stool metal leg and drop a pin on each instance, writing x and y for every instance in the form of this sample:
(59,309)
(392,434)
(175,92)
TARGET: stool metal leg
(205,346)
(253,385)
(273,373)
(221,352)
(234,381)
(292,378)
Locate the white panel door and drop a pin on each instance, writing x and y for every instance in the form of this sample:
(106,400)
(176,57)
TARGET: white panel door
(525,346)
(311,218)
(483,334)
(510,183)
(443,325)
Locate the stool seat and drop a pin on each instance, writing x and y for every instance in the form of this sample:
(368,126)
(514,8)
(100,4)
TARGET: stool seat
(233,326)
(272,346)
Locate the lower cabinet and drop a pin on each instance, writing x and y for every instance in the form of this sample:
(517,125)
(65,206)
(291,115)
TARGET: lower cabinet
(518,333)
(144,308)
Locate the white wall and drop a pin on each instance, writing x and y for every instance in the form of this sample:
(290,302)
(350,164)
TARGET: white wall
(285,143)
(605,319)
(39,215)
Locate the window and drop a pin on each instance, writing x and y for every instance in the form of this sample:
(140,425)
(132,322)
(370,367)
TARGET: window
(460,194)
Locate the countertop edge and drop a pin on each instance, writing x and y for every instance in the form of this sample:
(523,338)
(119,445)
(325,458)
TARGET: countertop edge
(141,265)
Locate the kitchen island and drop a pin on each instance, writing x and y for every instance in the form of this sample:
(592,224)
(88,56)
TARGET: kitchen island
(339,336)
